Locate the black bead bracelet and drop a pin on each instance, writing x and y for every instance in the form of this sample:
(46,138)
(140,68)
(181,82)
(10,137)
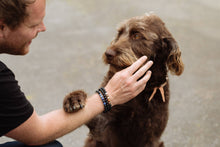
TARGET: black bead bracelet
(105,99)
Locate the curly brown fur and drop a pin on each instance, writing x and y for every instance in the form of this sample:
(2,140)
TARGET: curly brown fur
(74,101)
(140,122)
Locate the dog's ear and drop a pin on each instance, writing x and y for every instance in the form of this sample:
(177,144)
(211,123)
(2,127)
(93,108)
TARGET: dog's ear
(174,60)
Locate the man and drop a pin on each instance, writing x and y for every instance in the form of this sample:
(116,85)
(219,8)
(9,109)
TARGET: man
(20,22)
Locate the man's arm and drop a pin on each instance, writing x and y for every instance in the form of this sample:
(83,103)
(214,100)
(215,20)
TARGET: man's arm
(39,130)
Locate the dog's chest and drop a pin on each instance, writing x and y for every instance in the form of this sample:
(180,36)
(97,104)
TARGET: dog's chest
(129,128)
(138,121)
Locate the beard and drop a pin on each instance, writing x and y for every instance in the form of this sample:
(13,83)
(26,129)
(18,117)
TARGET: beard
(14,49)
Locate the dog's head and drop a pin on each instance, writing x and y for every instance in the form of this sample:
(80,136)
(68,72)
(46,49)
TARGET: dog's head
(144,35)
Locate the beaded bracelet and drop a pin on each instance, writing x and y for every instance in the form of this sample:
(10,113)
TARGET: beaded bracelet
(106,96)
(105,99)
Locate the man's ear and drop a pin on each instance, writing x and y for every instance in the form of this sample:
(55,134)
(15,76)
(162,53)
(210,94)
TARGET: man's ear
(1,28)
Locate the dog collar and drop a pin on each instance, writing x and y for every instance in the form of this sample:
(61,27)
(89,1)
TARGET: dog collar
(161,92)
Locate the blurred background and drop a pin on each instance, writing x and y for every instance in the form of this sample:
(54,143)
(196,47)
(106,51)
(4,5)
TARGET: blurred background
(68,56)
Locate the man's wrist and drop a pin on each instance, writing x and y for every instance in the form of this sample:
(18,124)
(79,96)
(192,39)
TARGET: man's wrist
(105,99)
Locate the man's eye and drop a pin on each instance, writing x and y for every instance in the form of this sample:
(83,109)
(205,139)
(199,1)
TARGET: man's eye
(33,26)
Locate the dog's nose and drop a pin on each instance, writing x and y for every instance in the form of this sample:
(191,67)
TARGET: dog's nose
(110,54)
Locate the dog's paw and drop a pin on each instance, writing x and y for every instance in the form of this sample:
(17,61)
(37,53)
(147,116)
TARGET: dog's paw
(74,101)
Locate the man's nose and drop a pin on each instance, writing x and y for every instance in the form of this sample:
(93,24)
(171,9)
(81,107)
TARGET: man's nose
(42,28)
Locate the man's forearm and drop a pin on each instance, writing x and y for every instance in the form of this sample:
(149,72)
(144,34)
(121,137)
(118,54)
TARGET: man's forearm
(59,123)
(43,129)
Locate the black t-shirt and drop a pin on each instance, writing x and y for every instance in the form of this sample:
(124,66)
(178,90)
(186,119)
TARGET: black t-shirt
(14,107)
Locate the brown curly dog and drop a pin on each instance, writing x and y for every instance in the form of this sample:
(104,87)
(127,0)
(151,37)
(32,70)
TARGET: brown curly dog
(140,122)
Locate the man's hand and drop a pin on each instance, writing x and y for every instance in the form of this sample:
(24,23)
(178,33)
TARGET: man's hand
(128,83)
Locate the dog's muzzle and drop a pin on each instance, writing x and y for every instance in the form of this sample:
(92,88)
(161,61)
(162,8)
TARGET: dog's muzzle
(110,54)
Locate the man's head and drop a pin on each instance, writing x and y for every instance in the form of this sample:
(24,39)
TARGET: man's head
(20,22)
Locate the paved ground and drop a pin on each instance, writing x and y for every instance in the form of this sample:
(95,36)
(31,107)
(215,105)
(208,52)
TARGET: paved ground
(68,57)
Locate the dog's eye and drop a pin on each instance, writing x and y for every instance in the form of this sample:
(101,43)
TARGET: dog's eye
(136,36)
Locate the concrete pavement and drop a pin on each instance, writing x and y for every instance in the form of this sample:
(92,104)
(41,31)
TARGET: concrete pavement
(68,57)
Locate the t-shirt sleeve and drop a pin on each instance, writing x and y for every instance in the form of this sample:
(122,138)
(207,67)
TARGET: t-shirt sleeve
(14,107)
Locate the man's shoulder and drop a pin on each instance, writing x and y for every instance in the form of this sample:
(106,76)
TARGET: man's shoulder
(5,71)
(2,66)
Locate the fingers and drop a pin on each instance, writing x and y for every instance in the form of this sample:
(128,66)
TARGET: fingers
(136,65)
(142,70)
(141,84)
